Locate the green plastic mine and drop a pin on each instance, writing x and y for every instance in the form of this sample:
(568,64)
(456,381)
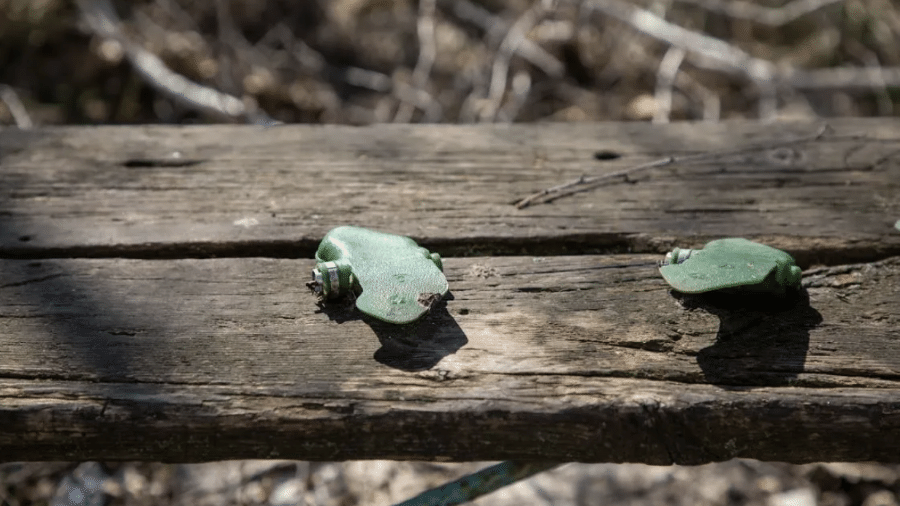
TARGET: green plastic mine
(395,279)
(731,264)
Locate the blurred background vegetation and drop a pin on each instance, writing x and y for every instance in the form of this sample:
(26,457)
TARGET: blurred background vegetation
(452,61)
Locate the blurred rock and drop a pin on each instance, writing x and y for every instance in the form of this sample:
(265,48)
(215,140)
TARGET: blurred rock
(384,483)
(216,483)
(856,472)
(796,497)
(82,487)
(288,493)
(881,498)
(641,107)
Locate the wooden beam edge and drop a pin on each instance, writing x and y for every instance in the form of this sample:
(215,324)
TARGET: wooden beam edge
(591,420)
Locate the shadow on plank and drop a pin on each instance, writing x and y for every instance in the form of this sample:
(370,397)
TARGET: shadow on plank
(413,347)
(762,340)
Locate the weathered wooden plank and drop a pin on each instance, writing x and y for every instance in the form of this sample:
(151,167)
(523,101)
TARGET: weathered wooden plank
(570,357)
(586,358)
(156,191)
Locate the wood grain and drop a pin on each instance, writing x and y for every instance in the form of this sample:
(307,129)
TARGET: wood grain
(574,358)
(175,192)
(152,299)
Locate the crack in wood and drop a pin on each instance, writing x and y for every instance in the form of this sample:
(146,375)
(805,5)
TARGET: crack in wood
(33,280)
(295,249)
(153,163)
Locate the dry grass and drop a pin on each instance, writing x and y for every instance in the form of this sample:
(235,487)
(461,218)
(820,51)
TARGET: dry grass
(458,61)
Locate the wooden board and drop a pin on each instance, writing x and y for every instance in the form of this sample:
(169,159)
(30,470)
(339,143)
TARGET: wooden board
(585,358)
(156,191)
(122,336)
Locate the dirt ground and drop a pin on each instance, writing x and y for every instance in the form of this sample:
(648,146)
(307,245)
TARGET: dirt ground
(452,61)
(377,483)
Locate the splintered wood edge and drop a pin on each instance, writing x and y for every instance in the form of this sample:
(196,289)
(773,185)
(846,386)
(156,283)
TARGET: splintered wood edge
(588,420)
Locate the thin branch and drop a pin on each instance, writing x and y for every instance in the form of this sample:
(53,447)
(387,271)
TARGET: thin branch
(843,78)
(427,54)
(231,38)
(178,13)
(500,68)
(475,107)
(770,16)
(882,98)
(103,20)
(711,103)
(708,51)
(421,99)
(314,62)
(584,183)
(480,483)
(364,78)
(521,86)
(665,80)
(714,53)
(20,115)
(529,50)
(720,55)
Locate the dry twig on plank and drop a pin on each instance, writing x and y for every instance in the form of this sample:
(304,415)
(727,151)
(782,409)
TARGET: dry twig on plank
(584,183)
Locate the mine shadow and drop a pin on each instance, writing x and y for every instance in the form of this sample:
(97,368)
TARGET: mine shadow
(413,347)
(762,340)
